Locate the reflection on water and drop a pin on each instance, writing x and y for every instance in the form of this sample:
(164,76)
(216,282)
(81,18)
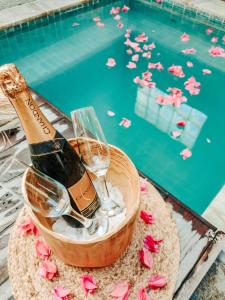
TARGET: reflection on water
(165,117)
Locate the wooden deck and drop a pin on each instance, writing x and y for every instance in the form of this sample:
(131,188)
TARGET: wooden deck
(200,241)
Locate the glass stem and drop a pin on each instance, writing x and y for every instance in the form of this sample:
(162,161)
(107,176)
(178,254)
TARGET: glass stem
(78,217)
(103,187)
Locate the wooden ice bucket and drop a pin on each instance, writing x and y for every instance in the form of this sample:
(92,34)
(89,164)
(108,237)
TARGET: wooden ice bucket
(106,250)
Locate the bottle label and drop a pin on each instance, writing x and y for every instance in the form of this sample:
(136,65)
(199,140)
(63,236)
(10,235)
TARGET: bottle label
(84,195)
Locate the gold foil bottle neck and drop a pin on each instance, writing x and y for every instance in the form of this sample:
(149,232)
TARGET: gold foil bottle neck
(11,81)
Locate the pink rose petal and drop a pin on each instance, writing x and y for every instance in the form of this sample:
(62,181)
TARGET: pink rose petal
(186,153)
(121,291)
(147,217)
(100,25)
(192,86)
(217,52)
(48,270)
(145,258)
(214,39)
(189,64)
(189,51)
(125,8)
(111,62)
(147,54)
(206,72)
(151,244)
(143,186)
(176,70)
(125,123)
(110,113)
(120,25)
(131,65)
(129,51)
(176,133)
(42,249)
(96,19)
(117,17)
(141,38)
(88,283)
(175,97)
(114,10)
(59,293)
(142,294)
(29,227)
(185,37)
(156,282)
(181,123)
(135,57)
(209,30)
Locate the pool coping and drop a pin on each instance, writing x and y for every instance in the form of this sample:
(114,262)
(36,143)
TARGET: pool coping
(22,14)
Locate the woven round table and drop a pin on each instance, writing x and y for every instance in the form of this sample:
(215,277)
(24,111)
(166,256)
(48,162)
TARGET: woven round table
(27,284)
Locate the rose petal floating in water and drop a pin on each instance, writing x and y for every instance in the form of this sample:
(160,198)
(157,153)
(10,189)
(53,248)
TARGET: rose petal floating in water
(147,217)
(111,62)
(217,51)
(181,123)
(192,86)
(145,258)
(131,65)
(125,123)
(117,17)
(42,249)
(186,153)
(209,31)
(185,37)
(59,293)
(190,64)
(189,51)
(125,8)
(175,97)
(110,113)
(114,10)
(129,51)
(206,72)
(141,38)
(176,133)
(100,25)
(120,25)
(28,227)
(147,54)
(48,269)
(214,39)
(96,19)
(156,282)
(75,24)
(157,66)
(151,244)
(88,283)
(121,291)
(135,57)
(176,70)
(142,294)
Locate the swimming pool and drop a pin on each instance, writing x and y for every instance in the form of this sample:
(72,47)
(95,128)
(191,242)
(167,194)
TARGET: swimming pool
(67,65)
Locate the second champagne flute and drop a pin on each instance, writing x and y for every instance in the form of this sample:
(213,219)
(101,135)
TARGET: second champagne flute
(94,152)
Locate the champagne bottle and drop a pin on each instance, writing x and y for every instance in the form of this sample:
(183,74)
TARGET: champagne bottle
(50,151)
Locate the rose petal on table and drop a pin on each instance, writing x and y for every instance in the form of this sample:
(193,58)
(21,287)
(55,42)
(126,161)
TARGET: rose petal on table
(185,37)
(42,249)
(190,64)
(151,244)
(145,258)
(88,283)
(121,291)
(111,62)
(186,153)
(48,269)
(142,294)
(28,227)
(157,281)
(214,39)
(110,113)
(59,293)
(206,72)
(147,217)
(125,8)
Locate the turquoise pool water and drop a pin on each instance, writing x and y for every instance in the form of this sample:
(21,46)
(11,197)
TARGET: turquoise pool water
(67,65)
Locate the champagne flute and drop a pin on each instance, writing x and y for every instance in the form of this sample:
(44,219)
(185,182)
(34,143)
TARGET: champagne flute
(94,152)
(51,199)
